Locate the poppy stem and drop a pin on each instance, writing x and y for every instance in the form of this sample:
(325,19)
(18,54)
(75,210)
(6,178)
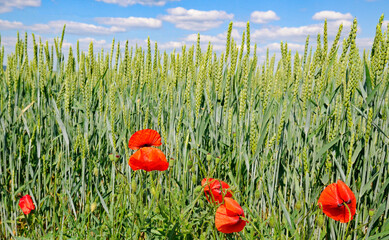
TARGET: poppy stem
(145,184)
(28,221)
(348,223)
(170,192)
(252,224)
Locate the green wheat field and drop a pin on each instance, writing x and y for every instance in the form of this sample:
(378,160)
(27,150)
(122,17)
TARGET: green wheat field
(276,131)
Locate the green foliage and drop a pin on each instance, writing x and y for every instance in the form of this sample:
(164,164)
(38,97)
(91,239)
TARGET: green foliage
(278,134)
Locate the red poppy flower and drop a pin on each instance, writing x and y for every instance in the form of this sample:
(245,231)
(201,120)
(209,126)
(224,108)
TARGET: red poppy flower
(144,138)
(228,217)
(333,200)
(148,159)
(26,204)
(215,190)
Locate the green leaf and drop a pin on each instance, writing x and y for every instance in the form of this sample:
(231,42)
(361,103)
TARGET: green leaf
(326,147)
(60,123)
(368,83)
(286,213)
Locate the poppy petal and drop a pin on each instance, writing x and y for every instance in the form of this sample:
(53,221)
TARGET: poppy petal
(336,213)
(206,180)
(233,206)
(144,138)
(226,219)
(215,190)
(345,192)
(148,159)
(26,204)
(333,201)
(348,197)
(329,196)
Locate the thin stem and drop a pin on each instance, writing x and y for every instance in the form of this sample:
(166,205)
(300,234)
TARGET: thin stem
(348,223)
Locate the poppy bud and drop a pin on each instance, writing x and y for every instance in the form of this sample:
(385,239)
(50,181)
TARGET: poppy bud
(371,212)
(359,182)
(209,157)
(194,178)
(96,171)
(284,222)
(272,221)
(190,164)
(93,207)
(320,220)
(133,185)
(198,189)
(217,160)
(257,193)
(298,205)
(152,190)
(114,157)
(203,236)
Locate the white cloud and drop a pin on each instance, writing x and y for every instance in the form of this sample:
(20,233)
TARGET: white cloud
(196,20)
(385,24)
(130,22)
(240,24)
(192,38)
(364,43)
(97,44)
(263,17)
(125,3)
(275,46)
(331,15)
(217,39)
(77,28)
(8,41)
(171,45)
(9,5)
(299,33)
(285,33)
(6,25)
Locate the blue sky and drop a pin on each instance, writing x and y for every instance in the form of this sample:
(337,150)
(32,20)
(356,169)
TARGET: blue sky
(175,22)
